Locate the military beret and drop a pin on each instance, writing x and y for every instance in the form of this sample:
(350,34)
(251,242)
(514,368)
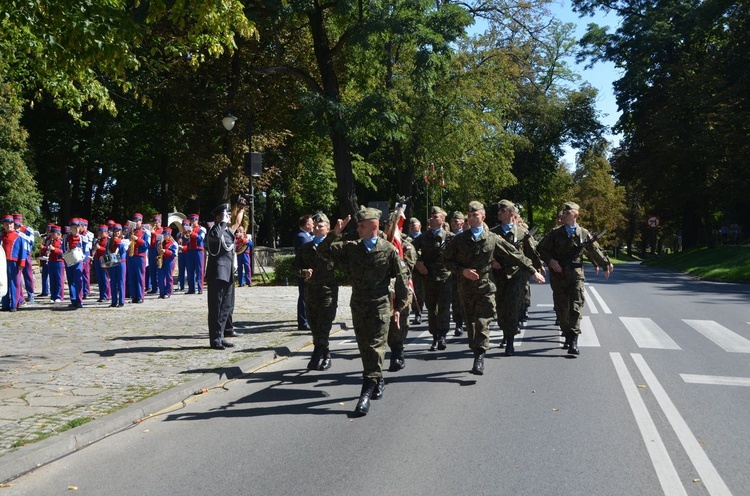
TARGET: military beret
(505,204)
(437,210)
(137,216)
(458,215)
(219,210)
(570,206)
(475,205)
(320,217)
(414,220)
(368,213)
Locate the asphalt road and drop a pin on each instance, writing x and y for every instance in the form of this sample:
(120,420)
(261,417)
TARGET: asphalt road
(657,403)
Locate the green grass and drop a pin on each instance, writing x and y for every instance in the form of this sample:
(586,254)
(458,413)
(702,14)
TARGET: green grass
(723,263)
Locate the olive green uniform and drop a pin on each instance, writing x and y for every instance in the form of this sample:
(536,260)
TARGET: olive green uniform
(477,297)
(321,292)
(397,334)
(370,273)
(438,283)
(567,286)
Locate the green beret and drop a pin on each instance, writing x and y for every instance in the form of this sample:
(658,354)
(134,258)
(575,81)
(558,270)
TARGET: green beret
(437,210)
(506,204)
(320,217)
(458,215)
(368,213)
(570,206)
(475,205)
(414,220)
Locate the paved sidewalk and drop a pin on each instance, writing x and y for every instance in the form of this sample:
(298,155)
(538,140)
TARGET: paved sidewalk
(61,367)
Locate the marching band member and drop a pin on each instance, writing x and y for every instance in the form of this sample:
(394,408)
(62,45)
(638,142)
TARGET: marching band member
(27,274)
(74,271)
(244,247)
(183,240)
(102,276)
(44,260)
(14,248)
(167,251)
(195,256)
(152,279)
(137,258)
(87,242)
(56,266)
(117,271)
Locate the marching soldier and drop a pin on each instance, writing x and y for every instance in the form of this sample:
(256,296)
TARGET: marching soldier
(371,262)
(562,250)
(437,279)
(398,329)
(415,231)
(457,226)
(510,281)
(321,292)
(469,256)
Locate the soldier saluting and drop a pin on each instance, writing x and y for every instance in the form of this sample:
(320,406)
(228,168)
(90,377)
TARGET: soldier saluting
(561,249)
(371,262)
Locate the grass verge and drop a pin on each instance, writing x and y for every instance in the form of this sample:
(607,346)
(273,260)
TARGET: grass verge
(723,263)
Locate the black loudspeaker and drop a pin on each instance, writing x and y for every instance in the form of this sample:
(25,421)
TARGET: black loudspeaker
(254,164)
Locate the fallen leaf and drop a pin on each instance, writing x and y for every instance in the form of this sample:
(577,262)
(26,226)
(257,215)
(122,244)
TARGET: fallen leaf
(72,488)
(555,409)
(696,480)
(5,485)
(341,404)
(641,386)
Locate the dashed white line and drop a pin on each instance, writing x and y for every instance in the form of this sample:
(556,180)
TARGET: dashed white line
(717,380)
(647,334)
(599,300)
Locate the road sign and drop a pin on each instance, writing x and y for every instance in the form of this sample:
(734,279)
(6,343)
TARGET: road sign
(653,221)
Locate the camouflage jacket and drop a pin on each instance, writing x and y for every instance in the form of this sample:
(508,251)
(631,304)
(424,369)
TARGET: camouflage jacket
(430,251)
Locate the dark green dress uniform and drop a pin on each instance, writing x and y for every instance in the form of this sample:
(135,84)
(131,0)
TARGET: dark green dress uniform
(438,283)
(477,297)
(567,286)
(370,272)
(397,334)
(321,299)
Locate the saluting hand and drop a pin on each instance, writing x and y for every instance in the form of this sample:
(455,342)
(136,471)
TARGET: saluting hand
(341,224)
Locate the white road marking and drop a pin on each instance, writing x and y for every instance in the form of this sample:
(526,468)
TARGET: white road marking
(552,305)
(709,476)
(588,335)
(599,300)
(647,334)
(663,466)
(730,341)
(589,303)
(718,380)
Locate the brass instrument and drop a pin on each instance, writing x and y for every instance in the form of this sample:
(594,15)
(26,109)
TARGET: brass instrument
(159,254)
(131,246)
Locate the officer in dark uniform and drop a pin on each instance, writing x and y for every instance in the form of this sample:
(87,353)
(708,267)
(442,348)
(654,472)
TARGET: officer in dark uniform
(469,256)
(509,279)
(562,249)
(437,279)
(321,292)
(220,272)
(371,262)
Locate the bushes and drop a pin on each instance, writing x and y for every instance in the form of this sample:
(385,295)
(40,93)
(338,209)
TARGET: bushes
(285,276)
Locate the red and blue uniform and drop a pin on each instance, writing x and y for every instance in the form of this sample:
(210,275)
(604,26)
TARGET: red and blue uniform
(56,267)
(166,271)
(74,272)
(87,241)
(44,260)
(117,272)
(195,257)
(102,277)
(27,273)
(136,267)
(152,278)
(244,271)
(14,247)
(183,240)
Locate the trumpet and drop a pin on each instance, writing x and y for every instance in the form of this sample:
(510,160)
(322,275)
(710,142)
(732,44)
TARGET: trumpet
(160,254)
(131,246)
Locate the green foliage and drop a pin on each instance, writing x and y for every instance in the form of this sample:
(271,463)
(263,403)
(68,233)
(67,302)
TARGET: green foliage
(724,263)
(282,269)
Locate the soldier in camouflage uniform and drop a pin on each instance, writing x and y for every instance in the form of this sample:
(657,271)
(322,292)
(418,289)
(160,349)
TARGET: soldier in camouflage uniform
(321,292)
(398,330)
(469,256)
(437,279)
(457,226)
(510,280)
(562,250)
(371,262)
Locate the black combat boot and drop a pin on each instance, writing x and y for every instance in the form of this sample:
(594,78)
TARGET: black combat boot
(325,363)
(503,342)
(379,389)
(478,368)
(459,330)
(434,345)
(509,349)
(441,344)
(363,405)
(397,360)
(566,344)
(573,349)
(314,362)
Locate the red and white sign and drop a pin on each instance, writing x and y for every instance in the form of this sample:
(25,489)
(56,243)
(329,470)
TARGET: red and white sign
(653,221)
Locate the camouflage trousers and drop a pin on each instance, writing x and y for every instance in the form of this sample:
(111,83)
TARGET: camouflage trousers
(371,318)
(438,296)
(568,298)
(397,334)
(478,311)
(321,303)
(510,302)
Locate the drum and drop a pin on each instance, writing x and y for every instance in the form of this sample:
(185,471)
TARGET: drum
(73,257)
(110,260)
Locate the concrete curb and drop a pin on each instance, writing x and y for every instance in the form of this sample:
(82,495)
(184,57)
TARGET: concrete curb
(29,458)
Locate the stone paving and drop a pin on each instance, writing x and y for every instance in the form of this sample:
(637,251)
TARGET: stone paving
(60,367)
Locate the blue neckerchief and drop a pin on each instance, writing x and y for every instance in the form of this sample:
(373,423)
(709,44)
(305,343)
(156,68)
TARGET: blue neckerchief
(506,227)
(369,242)
(477,231)
(317,239)
(436,232)
(414,235)
(571,230)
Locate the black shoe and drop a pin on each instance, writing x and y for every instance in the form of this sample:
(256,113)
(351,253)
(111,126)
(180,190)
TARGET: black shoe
(397,361)
(325,363)
(314,362)
(434,345)
(502,342)
(227,344)
(43,294)
(231,334)
(478,368)
(573,349)
(190,292)
(363,405)
(379,389)
(417,319)
(215,346)
(137,301)
(566,343)
(121,304)
(303,327)
(153,291)
(441,345)
(459,331)
(525,316)
(114,305)
(509,348)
